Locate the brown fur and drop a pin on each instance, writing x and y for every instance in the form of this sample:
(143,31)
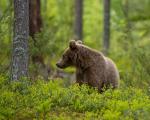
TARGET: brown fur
(92,67)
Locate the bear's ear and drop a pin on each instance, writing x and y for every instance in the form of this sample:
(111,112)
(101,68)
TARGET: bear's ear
(79,42)
(72,44)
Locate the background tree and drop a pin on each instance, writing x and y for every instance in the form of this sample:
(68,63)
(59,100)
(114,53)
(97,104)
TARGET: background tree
(35,25)
(106,29)
(19,66)
(128,25)
(78,26)
(35,17)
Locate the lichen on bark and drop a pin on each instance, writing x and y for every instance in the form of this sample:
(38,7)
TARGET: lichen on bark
(19,64)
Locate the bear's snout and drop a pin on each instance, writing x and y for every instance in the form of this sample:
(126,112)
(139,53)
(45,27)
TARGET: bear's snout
(58,65)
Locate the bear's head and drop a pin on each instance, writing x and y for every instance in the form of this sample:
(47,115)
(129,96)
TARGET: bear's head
(70,57)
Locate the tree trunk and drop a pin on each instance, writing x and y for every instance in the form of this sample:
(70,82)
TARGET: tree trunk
(35,22)
(35,17)
(106,29)
(19,65)
(128,26)
(78,26)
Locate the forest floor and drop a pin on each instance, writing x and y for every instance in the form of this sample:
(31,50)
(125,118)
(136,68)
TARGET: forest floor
(54,101)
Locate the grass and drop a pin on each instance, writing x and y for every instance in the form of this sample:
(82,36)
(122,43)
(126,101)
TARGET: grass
(51,100)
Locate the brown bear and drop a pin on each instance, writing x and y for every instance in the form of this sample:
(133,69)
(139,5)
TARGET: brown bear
(92,67)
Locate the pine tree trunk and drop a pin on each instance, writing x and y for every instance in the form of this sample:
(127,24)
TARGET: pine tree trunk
(106,29)
(35,22)
(19,65)
(128,26)
(35,25)
(78,26)
(35,17)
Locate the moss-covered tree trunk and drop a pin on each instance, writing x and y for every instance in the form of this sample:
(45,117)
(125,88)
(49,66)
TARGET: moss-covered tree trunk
(19,64)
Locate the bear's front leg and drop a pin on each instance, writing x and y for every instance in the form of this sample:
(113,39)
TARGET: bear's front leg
(94,79)
(80,77)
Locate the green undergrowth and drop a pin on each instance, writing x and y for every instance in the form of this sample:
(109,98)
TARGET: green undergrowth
(22,100)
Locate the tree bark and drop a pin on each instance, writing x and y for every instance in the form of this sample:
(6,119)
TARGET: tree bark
(106,29)
(35,17)
(19,65)
(128,25)
(35,22)
(78,26)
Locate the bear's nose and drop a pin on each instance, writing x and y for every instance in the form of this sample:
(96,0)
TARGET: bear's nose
(57,64)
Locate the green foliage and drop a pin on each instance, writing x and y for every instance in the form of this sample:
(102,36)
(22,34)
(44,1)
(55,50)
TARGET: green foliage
(5,34)
(92,23)
(50,100)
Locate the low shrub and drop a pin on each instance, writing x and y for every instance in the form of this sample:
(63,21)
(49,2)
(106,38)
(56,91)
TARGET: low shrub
(51,100)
